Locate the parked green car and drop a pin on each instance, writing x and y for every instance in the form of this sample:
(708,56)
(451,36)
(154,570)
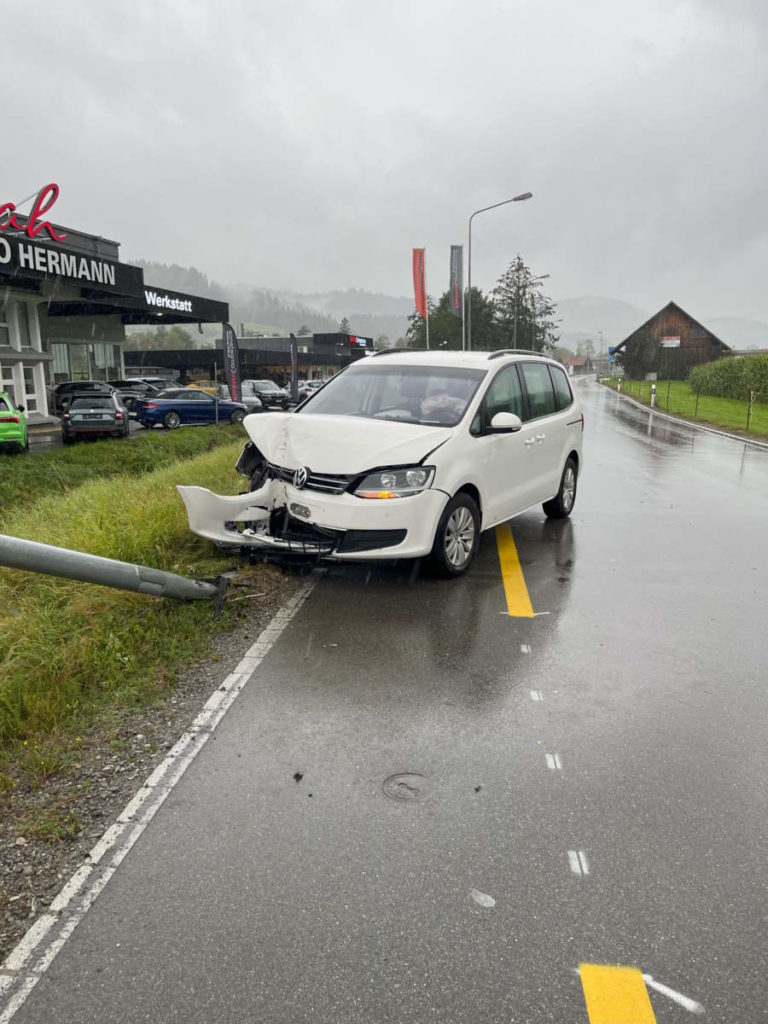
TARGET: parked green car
(13,425)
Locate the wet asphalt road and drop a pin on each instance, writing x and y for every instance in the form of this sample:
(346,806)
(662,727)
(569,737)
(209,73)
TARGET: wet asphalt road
(253,897)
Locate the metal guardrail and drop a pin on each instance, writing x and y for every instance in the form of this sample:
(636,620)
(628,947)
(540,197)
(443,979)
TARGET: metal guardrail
(30,556)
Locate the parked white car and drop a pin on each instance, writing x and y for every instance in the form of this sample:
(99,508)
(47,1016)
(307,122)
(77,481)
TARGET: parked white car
(404,455)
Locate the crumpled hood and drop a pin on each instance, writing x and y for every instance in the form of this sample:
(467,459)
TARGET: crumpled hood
(340,444)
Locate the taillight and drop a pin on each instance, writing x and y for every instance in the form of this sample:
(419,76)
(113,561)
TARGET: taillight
(149,405)
(9,419)
(118,415)
(582,423)
(65,415)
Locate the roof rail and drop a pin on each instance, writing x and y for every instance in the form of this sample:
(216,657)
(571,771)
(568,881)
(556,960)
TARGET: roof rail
(516,352)
(401,351)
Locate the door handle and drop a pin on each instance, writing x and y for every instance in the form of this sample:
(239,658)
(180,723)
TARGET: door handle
(540,437)
(530,441)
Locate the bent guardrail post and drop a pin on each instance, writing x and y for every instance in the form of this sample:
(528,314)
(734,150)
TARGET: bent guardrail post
(30,556)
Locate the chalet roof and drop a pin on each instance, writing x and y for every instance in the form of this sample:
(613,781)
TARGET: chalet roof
(672,305)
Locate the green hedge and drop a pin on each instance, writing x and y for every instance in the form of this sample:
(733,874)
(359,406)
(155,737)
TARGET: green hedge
(733,377)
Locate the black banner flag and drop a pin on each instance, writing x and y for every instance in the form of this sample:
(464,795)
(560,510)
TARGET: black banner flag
(457,287)
(231,362)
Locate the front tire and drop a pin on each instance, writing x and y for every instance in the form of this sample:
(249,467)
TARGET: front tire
(561,506)
(171,420)
(456,538)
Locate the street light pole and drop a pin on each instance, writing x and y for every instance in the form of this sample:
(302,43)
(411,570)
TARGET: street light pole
(514,199)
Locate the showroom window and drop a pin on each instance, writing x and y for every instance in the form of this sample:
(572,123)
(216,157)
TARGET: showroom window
(30,388)
(60,362)
(6,380)
(22,319)
(5,337)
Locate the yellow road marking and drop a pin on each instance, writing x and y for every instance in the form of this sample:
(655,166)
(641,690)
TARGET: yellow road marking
(518,601)
(615,995)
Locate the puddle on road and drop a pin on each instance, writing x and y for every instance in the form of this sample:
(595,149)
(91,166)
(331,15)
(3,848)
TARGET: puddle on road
(407,786)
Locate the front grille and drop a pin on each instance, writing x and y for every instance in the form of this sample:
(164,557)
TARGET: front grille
(327,483)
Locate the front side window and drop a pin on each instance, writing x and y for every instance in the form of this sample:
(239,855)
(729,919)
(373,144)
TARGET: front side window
(427,395)
(538,384)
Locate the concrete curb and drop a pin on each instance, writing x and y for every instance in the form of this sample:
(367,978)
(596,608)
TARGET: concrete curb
(688,423)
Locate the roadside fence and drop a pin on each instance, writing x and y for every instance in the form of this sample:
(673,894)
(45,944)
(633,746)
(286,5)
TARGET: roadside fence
(748,415)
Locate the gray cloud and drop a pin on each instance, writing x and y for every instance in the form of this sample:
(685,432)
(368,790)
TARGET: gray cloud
(311,145)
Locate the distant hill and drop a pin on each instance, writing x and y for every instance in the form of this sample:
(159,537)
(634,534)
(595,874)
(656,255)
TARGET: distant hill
(586,316)
(740,332)
(374,313)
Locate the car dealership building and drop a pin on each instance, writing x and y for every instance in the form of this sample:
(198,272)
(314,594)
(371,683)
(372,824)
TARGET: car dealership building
(65,299)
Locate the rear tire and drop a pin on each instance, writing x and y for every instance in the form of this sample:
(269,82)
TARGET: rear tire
(561,506)
(237,416)
(456,538)
(171,420)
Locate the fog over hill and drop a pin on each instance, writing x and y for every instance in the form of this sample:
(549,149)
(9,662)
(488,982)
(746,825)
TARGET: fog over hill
(373,313)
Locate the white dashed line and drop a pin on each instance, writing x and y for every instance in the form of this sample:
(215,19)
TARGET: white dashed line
(525,648)
(577,860)
(553,762)
(537,695)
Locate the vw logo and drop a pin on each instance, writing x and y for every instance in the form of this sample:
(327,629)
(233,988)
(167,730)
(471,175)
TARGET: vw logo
(300,477)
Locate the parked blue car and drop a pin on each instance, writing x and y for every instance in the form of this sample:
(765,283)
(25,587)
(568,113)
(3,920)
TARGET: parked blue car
(176,406)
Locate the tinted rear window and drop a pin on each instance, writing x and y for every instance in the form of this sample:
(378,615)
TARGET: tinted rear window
(4,405)
(97,402)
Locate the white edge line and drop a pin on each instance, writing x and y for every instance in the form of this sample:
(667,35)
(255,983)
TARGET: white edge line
(688,1004)
(131,822)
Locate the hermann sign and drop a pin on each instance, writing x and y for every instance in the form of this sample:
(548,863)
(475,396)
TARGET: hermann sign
(20,258)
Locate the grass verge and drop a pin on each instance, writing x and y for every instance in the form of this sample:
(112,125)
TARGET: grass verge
(71,652)
(28,478)
(678,398)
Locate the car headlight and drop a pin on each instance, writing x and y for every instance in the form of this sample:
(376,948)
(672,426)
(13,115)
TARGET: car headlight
(396,483)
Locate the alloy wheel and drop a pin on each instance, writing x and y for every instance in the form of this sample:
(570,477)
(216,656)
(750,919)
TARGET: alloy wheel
(459,536)
(569,488)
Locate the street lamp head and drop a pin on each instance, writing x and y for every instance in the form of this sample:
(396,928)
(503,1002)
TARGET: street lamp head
(522,196)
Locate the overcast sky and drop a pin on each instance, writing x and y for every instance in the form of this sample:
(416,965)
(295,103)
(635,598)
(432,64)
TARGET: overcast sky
(310,145)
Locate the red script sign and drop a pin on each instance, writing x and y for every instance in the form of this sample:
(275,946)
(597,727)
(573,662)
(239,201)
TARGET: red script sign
(46,197)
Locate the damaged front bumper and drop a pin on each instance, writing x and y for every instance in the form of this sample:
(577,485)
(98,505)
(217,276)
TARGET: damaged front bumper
(281,518)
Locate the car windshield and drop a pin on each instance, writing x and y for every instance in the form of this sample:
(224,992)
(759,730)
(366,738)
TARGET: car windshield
(266,385)
(428,395)
(96,402)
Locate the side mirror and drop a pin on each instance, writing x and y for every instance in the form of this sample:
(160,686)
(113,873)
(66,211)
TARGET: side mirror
(20,408)
(505,423)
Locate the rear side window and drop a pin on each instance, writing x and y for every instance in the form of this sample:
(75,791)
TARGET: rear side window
(4,405)
(563,396)
(538,384)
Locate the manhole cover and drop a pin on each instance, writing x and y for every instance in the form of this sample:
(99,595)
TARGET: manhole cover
(407,786)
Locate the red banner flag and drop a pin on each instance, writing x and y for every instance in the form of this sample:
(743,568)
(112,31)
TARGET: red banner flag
(419,287)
